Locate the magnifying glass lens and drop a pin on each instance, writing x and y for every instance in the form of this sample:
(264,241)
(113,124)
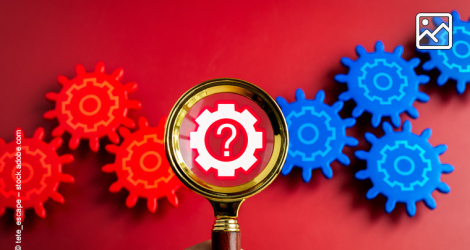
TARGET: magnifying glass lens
(226,139)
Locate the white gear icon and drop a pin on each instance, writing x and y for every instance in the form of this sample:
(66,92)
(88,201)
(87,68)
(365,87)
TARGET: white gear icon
(224,168)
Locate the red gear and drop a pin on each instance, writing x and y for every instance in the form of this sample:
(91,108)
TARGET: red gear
(141,166)
(41,172)
(92,105)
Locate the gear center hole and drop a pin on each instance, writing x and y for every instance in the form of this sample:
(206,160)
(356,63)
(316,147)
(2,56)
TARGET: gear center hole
(27,173)
(90,105)
(150,161)
(308,133)
(383,81)
(404,165)
(461,49)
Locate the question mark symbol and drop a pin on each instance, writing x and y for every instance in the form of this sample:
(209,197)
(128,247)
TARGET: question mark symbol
(229,141)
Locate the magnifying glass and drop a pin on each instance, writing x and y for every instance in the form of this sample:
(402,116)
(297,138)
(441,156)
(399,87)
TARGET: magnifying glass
(226,139)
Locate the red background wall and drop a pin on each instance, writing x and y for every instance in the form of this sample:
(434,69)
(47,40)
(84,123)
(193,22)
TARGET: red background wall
(168,47)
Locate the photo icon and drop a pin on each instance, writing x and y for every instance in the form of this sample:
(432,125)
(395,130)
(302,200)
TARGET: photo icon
(440,37)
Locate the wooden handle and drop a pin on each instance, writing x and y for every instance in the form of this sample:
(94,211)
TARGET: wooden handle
(223,240)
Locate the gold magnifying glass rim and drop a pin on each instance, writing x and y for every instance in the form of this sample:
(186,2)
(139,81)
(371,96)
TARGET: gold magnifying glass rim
(234,86)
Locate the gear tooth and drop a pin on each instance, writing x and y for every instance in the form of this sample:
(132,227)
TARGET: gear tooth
(345,96)
(306,174)
(22,216)
(341,78)
(130,87)
(411,208)
(74,141)
(117,74)
(347,62)
(80,70)
(455,15)
(226,172)
(51,114)
(57,197)
(282,102)
(66,178)
(390,205)
(112,148)
(249,162)
(396,121)
(203,117)
(128,122)
(131,200)
(414,62)
(134,104)
(195,137)
(320,96)
(423,79)
(412,112)
(362,155)
(66,159)
(55,143)
(357,111)
(426,134)
(407,126)
(108,168)
(39,134)
(287,168)
(258,137)
(99,68)
(461,86)
(115,187)
(344,159)
(326,170)
(351,141)
(94,143)
(387,128)
(375,120)
(447,168)
(430,202)
(226,107)
(360,51)
(362,175)
(372,193)
(58,131)
(152,204)
(248,118)
(171,197)
(422,97)
(440,149)
(443,187)
(337,106)
(398,51)
(349,122)
(428,65)
(299,95)
(442,79)
(201,159)
(371,138)
(40,211)
(124,132)
(113,137)
(63,80)
(379,46)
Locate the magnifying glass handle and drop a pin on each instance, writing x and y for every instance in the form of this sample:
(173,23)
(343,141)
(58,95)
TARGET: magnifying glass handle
(226,234)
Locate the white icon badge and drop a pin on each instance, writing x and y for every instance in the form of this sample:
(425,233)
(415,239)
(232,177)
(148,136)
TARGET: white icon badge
(435,40)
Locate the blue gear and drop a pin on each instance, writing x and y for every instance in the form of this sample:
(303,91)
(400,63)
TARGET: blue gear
(452,63)
(317,134)
(382,83)
(404,167)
